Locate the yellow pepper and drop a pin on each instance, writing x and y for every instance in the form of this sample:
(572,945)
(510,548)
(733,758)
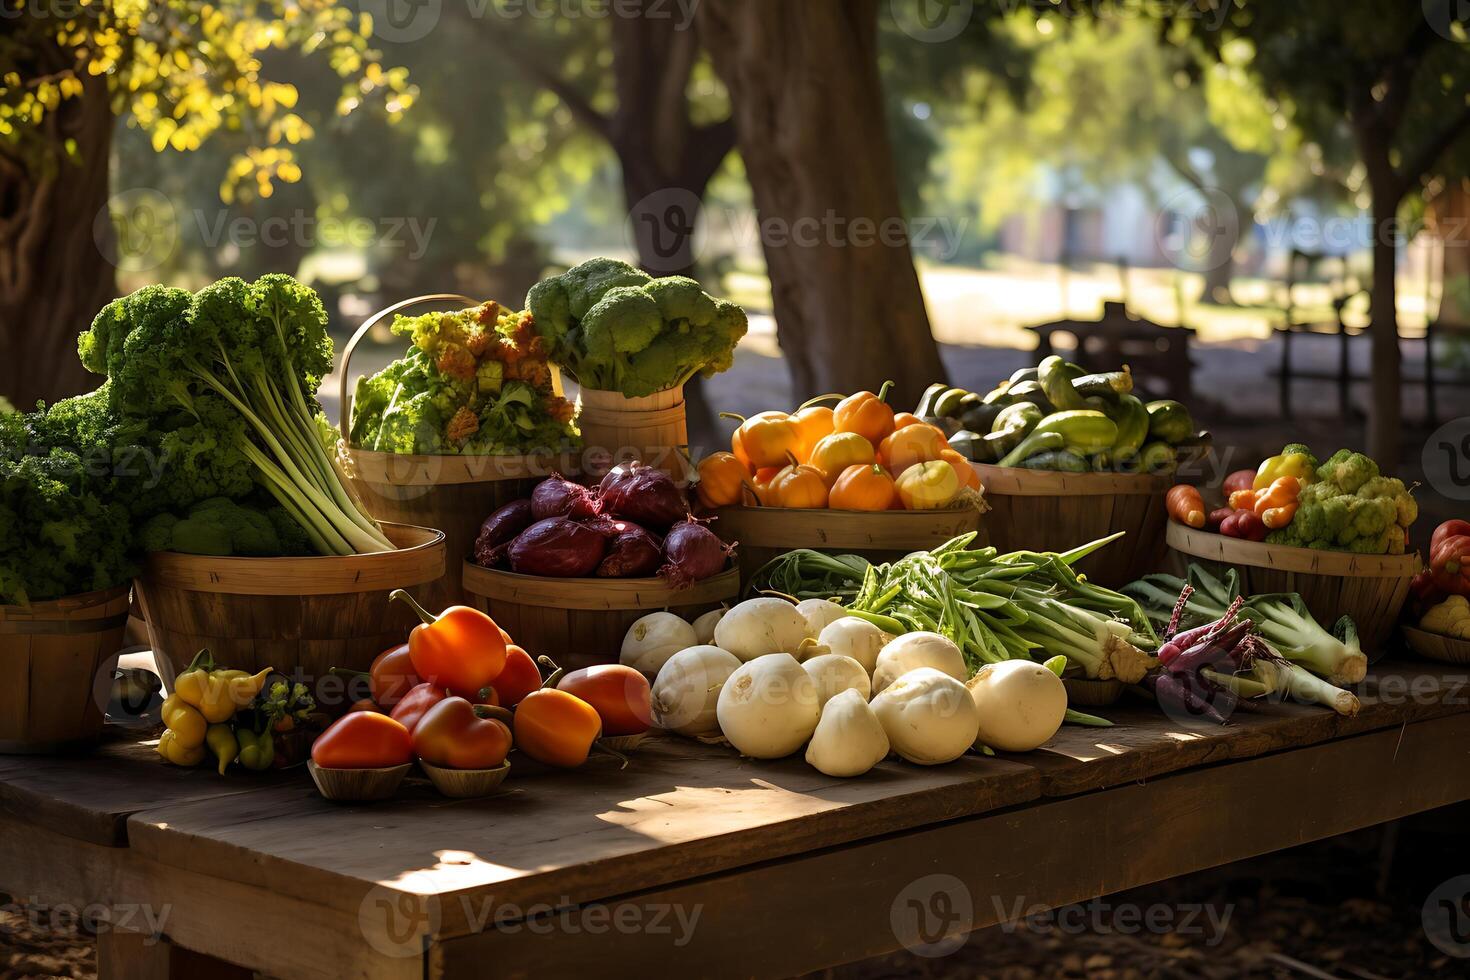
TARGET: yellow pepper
(175,751)
(184,720)
(222,742)
(218,694)
(1299,465)
(928,486)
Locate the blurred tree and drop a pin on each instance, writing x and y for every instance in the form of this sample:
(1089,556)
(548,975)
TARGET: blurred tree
(1398,77)
(181,70)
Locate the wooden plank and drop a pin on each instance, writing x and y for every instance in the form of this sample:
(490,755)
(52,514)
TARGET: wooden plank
(90,797)
(1145,744)
(210,913)
(819,910)
(679,810)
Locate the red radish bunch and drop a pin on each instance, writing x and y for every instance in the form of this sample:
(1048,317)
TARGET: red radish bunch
(1224,646)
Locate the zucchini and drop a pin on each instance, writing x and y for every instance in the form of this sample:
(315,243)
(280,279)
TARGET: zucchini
(947,405)
(1056,459)
(1021,417)
(979,418)
(1169,421)
(926,401)
(1156,457)
(1133,422)
(1030,391)
(1083,432)
(968,444)
(1052,376)
(1109,384)
(944,424)
(999,395)
(1036,442)
(1022,374)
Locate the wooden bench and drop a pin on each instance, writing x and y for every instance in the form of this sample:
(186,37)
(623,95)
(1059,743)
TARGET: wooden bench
(693,860)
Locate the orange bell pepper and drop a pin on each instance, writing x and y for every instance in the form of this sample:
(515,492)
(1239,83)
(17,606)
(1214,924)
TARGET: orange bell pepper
(455,734)
(556,727)
(461,648)
(866,414)
(765,439)
(799,485)
(863,488)
(519,678)
(389,678)
(620,695)
(813,423)
(411,709)
(722,480)
(962,466)
(363,740)
(837,452)
(1275,504)
(912,444)
(901,419)
(759,491)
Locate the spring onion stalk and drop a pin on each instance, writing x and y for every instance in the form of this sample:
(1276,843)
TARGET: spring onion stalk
(1282,619)
(1287,678)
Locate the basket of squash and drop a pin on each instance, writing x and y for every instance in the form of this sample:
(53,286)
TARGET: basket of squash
(853,478)
(1068,457)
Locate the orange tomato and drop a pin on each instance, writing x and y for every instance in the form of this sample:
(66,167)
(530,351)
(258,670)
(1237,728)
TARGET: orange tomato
(722,480)
(556,728)
(863,488)
(968,476)
(363,740)
(837,452)
(620,695)
(911,444)
(765,439)
(866,414)
(455,734)
(800,485)
(812,423)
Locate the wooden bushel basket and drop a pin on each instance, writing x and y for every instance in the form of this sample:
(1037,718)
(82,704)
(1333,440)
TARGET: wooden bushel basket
(652,429)
(53,657)
(453,494)
(763,533)
(298,615)
(1043,510)
(1369,588)
(579,622)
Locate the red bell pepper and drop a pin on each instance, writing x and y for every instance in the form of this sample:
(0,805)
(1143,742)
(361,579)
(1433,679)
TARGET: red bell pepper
(455,734)
(1449,557)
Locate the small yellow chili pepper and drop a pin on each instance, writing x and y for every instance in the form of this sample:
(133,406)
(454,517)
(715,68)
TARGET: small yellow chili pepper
(222,742)
(218,694)
(184,720)
(172,749)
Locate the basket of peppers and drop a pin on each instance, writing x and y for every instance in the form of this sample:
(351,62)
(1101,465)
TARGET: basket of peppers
(1437,616)
(232,717)
(886,483)
(1334,531)
(458,699)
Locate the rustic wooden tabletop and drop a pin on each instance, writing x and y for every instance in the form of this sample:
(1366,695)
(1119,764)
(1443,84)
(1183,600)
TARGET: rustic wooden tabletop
(693,858)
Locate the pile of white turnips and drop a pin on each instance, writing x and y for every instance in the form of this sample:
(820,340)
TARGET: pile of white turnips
(770,677)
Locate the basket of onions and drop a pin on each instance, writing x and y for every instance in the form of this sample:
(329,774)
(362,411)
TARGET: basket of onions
(571,568)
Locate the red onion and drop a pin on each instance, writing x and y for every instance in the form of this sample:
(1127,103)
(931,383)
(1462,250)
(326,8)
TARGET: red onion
(558,547)
(633,552)
(643,494)
(499,530)
(693,552)
(556,496)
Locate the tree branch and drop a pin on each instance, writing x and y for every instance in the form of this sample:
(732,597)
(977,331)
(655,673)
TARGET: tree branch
(575,101)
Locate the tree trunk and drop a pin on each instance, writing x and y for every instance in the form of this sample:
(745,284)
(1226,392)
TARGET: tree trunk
(1386,415)
(55,239)
(1219,273)
(808,108)
(1451,214)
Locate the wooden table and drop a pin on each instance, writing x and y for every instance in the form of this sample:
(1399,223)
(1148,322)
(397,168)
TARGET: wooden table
(692,860)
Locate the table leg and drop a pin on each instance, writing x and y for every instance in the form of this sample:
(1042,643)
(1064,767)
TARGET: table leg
(139,956)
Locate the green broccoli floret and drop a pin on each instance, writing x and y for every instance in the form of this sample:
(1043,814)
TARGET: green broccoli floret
(588,283)
(625,321)
(217,526)
(294,540)
(1347,470)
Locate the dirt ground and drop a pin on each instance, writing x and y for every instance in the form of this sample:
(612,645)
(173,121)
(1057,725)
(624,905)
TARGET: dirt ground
(1348,908)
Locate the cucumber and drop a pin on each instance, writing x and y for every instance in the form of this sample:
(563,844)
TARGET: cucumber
(1053,378)
(968,444)
(947,405)
(1086,432)
(1156,457)
(1133,422)
(979,418)
(1030,391)
(1021,417)
(1036,442)
(999,395)
(1169,421)
(1055,459)
(926,401)
(1023,374)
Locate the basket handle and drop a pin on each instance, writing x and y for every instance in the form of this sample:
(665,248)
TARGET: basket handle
(344,400)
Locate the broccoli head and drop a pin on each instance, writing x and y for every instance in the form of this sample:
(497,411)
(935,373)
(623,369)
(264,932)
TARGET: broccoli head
(1347,470)
(1351,507)
(217,526)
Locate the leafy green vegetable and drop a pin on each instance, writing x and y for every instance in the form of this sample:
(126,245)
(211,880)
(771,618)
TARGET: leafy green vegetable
(220,526)
(616,328)
(475,382)
(224,384)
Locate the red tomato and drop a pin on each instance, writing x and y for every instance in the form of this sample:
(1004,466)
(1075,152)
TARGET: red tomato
(519,677)
(363,740)
(620,695)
